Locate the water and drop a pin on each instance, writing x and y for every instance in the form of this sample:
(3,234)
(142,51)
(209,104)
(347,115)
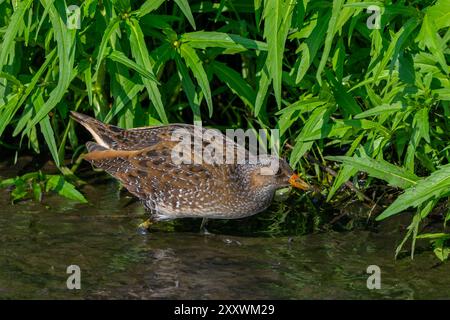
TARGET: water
(39,240)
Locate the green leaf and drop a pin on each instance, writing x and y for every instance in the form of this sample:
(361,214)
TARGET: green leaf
(435,186)
(123,88)
(49,136)
(195,64)
(8,182)
(440,14)
(184,6)
(148,6)
(317,120)
(46,127)
(235,82)
(291,113)
(443,93)
(11,78)
(340,127)
(58,184)
(331,31)
(65,39)
(429,37)
(420,130)
(310,47)
(441,252)
(19,191)
(434,236)
(343,176)
(140,53)
(203,40)
(4,121)
(381,169)
(188,87)
(403,36)
(344,99)
(121,5)
(263,86)
(11,31)
(277,20)
(88,80)
(438,240)
(120,57)
(422,123)
(37,191)
(7,111)
(112,27)
(380,110)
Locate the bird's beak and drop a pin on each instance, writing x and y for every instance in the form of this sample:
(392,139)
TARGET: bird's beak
(296,182)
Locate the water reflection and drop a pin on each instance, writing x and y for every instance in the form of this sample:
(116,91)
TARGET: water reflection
(39,241)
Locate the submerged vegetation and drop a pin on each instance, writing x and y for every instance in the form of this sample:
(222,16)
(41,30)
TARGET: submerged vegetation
(359,101)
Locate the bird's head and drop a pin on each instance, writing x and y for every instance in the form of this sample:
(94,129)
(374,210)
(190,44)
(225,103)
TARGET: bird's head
(275,173)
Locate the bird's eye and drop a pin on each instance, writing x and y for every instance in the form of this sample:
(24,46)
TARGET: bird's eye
(278,171)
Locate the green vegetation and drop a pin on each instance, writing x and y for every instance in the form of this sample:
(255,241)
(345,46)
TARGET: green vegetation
(345,97)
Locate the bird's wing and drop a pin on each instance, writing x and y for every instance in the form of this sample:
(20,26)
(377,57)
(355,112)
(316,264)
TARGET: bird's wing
(152,170)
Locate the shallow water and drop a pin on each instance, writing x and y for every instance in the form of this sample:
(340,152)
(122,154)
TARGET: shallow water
(39,240)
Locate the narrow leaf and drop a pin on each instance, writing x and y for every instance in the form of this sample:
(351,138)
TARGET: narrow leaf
(194,63)
(184,6)
(381,169)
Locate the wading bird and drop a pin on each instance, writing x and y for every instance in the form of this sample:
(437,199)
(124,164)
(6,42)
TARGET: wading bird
(142,159)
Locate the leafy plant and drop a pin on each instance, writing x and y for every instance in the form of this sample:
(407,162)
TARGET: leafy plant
(375,100)
(32,185)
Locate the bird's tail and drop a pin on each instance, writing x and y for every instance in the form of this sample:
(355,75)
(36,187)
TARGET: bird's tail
(103,134)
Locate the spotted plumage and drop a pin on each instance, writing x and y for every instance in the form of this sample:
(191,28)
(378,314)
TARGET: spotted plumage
(142,160)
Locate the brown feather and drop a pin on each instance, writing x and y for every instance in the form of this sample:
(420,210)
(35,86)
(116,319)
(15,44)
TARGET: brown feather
(141,159)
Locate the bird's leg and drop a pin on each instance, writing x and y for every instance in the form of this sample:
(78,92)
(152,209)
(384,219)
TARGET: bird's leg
(144,227)
(203,229)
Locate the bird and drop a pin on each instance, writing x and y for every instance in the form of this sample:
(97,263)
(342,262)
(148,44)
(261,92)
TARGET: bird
(143,160)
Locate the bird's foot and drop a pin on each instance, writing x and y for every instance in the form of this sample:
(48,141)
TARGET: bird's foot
(205,232)
(144,227)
